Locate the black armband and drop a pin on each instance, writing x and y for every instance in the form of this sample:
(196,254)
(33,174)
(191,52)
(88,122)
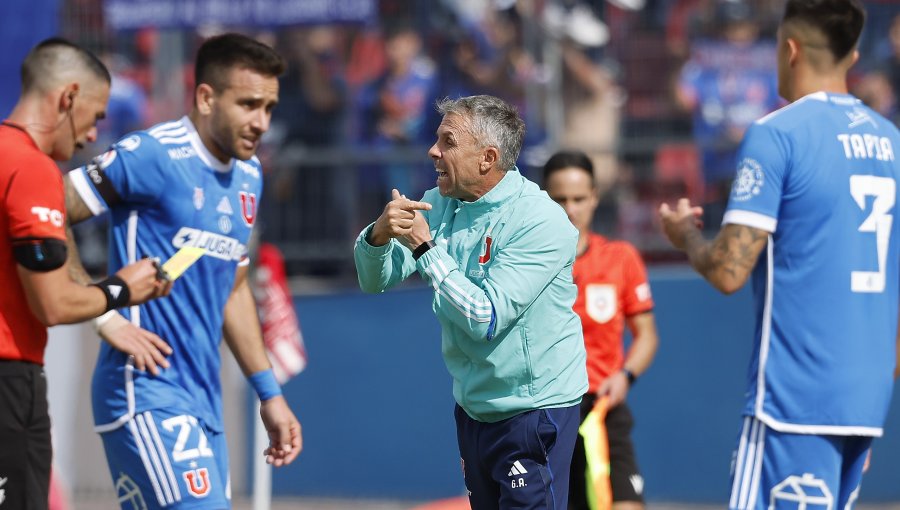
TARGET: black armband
(94,172)
(40,254)
(116,291)
(630,376)
(422,248)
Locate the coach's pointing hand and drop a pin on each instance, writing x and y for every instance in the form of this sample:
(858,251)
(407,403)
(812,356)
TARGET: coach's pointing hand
(396,220)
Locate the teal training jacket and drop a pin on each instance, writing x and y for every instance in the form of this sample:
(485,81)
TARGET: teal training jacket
(501,272)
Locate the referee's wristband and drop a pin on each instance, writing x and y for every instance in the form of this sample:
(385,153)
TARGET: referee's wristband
(265,384)
(422,248)
(116,291)
(630,376)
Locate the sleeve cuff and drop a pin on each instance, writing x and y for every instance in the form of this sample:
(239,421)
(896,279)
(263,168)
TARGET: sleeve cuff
(750,219)
(368,249)
(435,265)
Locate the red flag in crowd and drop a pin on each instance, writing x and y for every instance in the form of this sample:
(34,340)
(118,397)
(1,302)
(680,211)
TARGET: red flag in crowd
(280,326)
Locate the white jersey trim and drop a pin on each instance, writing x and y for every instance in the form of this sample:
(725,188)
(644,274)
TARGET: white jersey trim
(829,430)
(175,124)
(750,219)
(131,253)
(84,189)
(129,398)
(176,131)
(175,141)
(816,96)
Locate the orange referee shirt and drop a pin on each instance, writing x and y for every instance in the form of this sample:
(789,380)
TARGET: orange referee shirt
(32,205)
(612,285)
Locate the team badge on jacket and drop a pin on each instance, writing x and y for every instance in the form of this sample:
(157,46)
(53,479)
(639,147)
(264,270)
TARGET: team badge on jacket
(600,302)
(487,250)
(248,206)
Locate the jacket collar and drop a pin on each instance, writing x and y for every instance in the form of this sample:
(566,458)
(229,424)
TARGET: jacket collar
(509,185)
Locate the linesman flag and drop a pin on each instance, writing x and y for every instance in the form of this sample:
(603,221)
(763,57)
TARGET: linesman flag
(596,450)
(280,326)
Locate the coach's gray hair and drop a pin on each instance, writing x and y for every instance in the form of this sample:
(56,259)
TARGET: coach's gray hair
(492,122)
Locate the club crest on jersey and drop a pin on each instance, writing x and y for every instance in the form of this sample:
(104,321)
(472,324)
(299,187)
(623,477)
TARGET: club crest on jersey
(105,159)
(225,224)
(197,481)
(483,259)
(198,198)
(600,302)
(749,180)
(130,144)
(248,206)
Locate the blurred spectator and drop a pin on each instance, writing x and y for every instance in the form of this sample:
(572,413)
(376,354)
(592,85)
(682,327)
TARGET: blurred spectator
(127,109)
(313,91)
(874,89)
(308,127)
(592,102)
(394,107)
(891,65)
(727,84)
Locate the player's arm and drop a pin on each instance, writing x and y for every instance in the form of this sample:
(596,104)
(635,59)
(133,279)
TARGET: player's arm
(55,298)
(243,335)
(148,349)
(644,342)
(725,261)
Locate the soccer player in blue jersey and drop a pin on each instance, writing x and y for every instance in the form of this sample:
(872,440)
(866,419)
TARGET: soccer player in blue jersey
(811,215)
(191,182)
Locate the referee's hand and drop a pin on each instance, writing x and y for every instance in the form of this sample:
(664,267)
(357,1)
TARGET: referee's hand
(144,284)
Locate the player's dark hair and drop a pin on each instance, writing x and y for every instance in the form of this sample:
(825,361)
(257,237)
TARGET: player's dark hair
(568,159)
(227,51)
(840,21)
(51,55)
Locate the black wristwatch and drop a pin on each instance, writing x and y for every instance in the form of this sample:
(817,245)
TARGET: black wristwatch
(422,248)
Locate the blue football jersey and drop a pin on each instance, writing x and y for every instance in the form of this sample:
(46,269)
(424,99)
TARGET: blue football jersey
(820,175)
(164,190)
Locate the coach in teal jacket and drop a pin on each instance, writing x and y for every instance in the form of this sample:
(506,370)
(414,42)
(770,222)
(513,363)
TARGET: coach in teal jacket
(498,253)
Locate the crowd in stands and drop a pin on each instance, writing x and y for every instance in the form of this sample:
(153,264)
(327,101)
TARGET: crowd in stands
(657,92)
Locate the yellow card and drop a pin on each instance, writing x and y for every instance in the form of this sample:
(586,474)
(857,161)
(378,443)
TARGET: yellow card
(183,259)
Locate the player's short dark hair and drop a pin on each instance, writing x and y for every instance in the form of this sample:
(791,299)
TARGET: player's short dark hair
(50,56)
(228,51)
(840,21)
(568,159)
